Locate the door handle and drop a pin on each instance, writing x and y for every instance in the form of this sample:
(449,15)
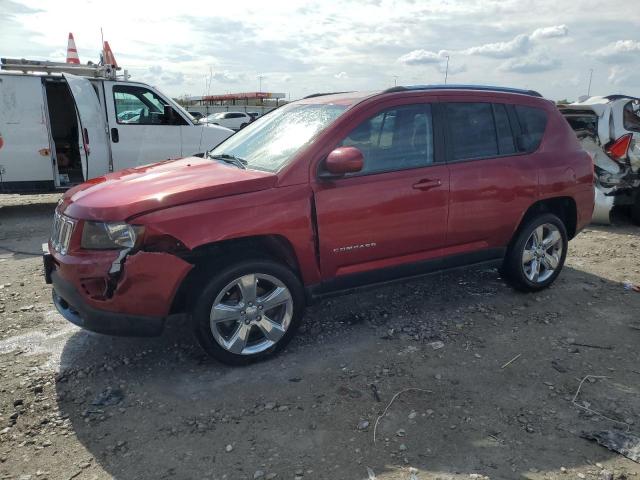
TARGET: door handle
(115,136)
(427,184)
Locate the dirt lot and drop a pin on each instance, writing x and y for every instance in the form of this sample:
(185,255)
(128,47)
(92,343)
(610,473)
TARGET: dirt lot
(80,405)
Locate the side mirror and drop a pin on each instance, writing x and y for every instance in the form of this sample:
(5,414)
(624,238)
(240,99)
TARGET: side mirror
(344,160)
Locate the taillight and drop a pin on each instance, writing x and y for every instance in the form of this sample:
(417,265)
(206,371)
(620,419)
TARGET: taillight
(618,149)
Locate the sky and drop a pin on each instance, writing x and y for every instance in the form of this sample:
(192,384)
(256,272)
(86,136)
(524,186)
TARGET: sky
(304,47)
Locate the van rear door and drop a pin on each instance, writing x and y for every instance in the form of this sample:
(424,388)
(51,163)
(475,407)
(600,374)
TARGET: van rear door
(25,154)
(93,139)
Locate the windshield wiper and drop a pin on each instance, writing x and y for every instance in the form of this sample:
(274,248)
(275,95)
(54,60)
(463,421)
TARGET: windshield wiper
(232,159)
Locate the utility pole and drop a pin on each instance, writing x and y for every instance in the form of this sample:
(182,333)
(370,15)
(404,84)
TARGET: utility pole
(395,80)
(590,77)
(260,77)
(446,70)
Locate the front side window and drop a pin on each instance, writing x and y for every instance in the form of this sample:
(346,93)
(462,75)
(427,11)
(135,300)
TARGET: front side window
(395,139)
(140,106)
(270,142)
(472,131)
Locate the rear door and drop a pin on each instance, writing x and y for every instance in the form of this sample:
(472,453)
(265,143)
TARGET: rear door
(492,182)
(25,150)
(140,133)
(94,147)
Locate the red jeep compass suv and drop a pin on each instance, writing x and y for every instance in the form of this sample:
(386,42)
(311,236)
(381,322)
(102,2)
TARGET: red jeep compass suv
(320,196)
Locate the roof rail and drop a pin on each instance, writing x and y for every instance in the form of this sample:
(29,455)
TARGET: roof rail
(89,70)
(483,88)
(313,95)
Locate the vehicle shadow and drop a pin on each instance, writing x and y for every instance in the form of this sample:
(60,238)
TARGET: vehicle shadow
(159,408)
(24,228)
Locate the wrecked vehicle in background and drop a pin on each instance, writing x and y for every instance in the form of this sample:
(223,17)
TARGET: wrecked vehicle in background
(609,130)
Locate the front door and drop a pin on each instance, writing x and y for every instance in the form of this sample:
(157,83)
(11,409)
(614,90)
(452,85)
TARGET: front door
(94,148)
(140,133)
(395,210)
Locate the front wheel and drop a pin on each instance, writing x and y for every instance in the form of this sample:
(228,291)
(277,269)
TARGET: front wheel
(535,258)
(248,311)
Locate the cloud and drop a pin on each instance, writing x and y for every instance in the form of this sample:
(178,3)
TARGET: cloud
(530,64)
(225,76)
(550,32)
(341,75)
(422,57)
(618,75)
(453,68)
(620,51)
(157,74)
(518,46)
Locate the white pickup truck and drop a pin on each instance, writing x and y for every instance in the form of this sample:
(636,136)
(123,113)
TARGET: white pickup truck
(59,129)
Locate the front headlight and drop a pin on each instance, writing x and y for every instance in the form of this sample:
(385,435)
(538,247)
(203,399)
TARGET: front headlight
(109,236)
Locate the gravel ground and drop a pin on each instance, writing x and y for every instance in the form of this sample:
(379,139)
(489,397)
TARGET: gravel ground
(79,405)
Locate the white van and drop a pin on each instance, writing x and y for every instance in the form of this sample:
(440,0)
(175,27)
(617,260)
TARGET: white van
(60,129)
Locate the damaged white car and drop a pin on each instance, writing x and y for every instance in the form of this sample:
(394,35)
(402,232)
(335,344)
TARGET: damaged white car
(609,130)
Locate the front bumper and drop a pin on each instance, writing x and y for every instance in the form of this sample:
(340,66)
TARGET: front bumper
(75,309)
(72,307)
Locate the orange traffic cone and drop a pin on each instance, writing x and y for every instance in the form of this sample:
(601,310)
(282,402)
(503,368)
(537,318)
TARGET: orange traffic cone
(72,53)
(109,58)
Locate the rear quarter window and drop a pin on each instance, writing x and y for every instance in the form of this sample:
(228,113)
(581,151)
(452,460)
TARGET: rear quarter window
(533,122)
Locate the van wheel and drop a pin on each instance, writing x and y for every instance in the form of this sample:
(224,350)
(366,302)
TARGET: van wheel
(248,311)
(537,254)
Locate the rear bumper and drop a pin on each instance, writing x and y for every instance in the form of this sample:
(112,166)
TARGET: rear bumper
(72,307)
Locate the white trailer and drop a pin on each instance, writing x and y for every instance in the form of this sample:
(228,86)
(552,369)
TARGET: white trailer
(63,124)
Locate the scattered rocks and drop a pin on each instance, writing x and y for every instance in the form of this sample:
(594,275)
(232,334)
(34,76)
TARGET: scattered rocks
(363,424)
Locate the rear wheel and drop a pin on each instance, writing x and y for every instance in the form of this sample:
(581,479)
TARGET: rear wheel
(249,311)
(537,255)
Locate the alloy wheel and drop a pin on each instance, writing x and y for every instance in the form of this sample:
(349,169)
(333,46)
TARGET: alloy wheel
(542,253)
(251,314)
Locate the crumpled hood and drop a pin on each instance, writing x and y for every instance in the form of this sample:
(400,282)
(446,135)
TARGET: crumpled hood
(127,193)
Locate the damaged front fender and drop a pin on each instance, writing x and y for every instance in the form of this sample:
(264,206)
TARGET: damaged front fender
(148,283)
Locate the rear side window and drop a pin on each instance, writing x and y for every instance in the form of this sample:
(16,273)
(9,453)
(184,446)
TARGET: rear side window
(472,131)
(533,121)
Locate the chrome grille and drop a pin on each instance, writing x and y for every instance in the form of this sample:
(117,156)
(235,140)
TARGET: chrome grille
(61,232)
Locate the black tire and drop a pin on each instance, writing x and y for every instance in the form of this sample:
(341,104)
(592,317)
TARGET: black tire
(513,269)
(204,303)
(242,126)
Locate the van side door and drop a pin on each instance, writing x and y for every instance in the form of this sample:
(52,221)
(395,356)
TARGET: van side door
(492,182)
(93,139)
(140,131)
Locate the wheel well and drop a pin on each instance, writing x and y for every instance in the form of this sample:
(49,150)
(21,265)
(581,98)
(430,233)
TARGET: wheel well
(562,207)
(209,257)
